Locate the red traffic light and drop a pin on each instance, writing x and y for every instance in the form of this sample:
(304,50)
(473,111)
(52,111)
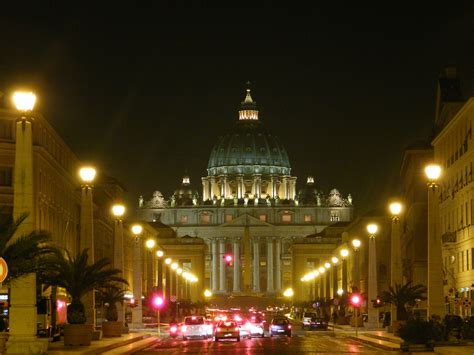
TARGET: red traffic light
(158,302)
(356,300)
(228,258)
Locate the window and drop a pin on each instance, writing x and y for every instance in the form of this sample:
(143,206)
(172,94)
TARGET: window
(263,263)
(307,218)
(263,217)
(334,216)
(5,176)
(183,219)
(205,219)
(286,218)
(228,218)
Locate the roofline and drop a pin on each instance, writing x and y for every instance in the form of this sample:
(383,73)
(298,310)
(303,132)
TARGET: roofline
(456,117)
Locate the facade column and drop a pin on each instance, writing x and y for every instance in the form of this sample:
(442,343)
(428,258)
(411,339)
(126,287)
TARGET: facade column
(257,181)
(373,319)
(137,316)
(118,259)
(435,295)
(271,186)
(344,274)
(292,188)
(205,188)
(256,266)
(240,193)
(334,281)
(284,188)
(237,270)
(222,287)
(278,265)
(270,288)
(214,272)
(327,278)
(214,188)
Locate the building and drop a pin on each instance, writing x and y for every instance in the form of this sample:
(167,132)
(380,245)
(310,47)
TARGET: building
(250,209)
(453,150)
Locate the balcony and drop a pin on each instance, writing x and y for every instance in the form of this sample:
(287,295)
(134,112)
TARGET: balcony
(449,237)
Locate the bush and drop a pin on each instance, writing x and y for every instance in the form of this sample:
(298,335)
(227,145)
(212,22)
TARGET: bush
(417,331)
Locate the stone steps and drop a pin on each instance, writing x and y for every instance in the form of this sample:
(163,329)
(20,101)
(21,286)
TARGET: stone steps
(132,347)
(378,343)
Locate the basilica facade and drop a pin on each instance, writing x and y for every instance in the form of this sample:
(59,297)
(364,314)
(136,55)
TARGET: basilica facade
(249,208)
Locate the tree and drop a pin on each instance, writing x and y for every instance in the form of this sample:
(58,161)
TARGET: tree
(109,297)
(78,278)
(402,296)
(24,255)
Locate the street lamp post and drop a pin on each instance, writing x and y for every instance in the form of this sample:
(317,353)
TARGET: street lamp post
(137,315)
(327,280)
(356,279)
(168,262)
(436,305)
(159,255)
(344,254)
(22,316)
(118,211)
(87,175)
(334,261)
(373,319)
(150,244)
(174,283)
(396,262)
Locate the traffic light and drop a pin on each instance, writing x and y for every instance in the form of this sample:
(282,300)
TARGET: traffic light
(228,259)
(158,302)
(356,300)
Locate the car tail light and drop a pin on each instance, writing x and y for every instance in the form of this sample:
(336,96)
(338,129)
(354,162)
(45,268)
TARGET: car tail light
(173,329)
(183,328)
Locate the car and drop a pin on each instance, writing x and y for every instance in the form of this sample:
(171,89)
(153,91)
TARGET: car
(210,327)
(255,327)
(194,327)
(227,330)
(318,323)
(243,327)
(174,330)
(280,326)
(307,316)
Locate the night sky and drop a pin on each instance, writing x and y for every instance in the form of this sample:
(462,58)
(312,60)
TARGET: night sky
(144,92)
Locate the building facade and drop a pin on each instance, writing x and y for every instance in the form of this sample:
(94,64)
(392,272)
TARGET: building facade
(249,208)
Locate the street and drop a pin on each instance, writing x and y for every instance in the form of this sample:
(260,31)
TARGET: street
(301,342)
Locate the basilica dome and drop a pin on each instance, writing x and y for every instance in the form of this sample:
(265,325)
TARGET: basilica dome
(249,147)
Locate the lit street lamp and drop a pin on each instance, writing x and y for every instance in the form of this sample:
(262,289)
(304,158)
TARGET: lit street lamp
(373,319)
(396,276)
(334,261)
(118,211)
(356,243)
(159,255)
(150,244)
(344,254)
(436,303)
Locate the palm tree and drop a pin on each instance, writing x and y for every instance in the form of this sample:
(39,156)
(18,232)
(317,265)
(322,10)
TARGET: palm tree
(77,277)
(24,255)
(403,296)
(109,297)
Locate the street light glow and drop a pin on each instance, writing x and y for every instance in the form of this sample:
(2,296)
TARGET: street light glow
(207,293)
(137,229)
(150,243)
(174,266)
(433,172)
(395,208)
(288,292)
(340,292)
(118,210)
(179,271)
(344,253)
(168,261)
(160,253)
(327,265)
(87,174)
(356,243)
(334,260)
(24,101)
(321,270)
(372,228)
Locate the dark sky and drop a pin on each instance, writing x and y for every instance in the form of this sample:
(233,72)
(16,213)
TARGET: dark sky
(144,92)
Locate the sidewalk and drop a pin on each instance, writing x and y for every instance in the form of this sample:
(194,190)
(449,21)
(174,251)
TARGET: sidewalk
(97,346)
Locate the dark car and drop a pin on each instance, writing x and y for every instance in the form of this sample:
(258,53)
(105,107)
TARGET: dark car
(280,326)
(318,323)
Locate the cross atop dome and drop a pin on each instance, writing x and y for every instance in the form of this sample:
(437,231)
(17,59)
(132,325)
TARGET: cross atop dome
(248,107)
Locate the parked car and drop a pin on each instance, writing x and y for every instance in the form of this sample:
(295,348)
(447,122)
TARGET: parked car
(227,330)
(280,326)
(318,323)
(194,327)
(307,316)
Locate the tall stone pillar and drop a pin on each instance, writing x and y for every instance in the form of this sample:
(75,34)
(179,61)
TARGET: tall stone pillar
(278,265)
(292,188)
(256,266)
(240,192)
(118,259)
(247,260)
(284,188)
(373,319)
(137,315)
(271,187)
(215,258)
(344,274)
(270,270)
(222,287)
(214,188)
(435,261)
(205,189)
(236,270)
(23,316)
(334,282)
(257,178)
(327,278)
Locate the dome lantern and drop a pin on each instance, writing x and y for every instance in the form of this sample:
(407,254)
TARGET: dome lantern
(248,107)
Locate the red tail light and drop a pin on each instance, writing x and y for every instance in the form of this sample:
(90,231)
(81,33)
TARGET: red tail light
(183,328)
(173,329)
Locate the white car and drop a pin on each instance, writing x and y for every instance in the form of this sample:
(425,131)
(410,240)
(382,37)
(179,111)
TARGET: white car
(307,316)
(194,327)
